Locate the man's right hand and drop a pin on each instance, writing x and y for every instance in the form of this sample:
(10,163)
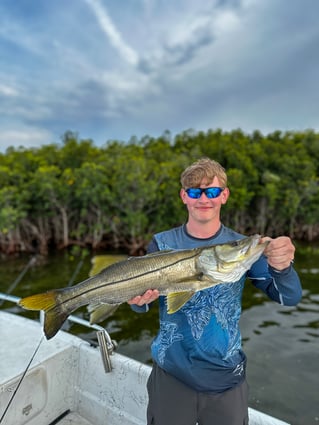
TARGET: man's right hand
(149,296)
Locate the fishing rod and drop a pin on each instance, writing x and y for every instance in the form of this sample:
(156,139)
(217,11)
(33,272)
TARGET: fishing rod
(15,283)
(83,254)
(21,379)
(75,273)
(11,288)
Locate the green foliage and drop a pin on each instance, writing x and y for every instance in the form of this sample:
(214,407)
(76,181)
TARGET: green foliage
(119,195)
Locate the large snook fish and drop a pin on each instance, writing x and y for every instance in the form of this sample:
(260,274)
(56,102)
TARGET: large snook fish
(177,274)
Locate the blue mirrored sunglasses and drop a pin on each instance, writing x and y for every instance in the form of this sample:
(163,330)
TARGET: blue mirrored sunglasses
(210,192)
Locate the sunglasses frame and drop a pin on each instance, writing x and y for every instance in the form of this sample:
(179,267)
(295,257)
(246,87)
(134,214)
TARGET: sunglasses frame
(210,192)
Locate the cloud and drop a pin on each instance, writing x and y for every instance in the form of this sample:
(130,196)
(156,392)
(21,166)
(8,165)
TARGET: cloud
(7,91)
(26,137)
(114,36)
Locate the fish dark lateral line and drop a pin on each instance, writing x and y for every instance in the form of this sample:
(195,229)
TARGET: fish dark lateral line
(49,302)
(130,278)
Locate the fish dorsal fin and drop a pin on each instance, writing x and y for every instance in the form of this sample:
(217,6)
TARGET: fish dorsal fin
(176,300)
(100,262)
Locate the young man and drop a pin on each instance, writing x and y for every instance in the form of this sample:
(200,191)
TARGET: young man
(198,374)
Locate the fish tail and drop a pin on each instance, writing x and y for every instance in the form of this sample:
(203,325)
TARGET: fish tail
(53,321)
(36,302)
(54,317)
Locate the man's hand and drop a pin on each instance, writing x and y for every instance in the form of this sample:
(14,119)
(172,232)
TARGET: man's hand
(279,252)
(149,296)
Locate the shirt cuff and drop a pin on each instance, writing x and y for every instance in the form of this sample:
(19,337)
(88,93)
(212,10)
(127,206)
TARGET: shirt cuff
(283,271)
(140,309)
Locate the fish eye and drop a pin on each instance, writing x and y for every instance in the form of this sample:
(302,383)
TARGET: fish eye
(234,243)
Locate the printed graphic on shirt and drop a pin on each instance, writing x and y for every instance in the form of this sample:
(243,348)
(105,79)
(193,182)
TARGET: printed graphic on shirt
(239,369)
(222,301)
(198,312)
(216,310)
(168,336)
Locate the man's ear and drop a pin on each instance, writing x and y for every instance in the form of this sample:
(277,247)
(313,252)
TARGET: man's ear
(183,195)
(225,195)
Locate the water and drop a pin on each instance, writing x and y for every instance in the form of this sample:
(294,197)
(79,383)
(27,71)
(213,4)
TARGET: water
(281,343)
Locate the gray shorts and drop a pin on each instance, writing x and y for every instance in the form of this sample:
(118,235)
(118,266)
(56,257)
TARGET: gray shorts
(173,403)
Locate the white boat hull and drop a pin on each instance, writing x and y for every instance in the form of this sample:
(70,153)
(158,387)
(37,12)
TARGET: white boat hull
(66,380)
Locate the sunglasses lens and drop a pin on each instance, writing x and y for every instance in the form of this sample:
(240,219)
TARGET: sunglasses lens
(213,192)
(194,192)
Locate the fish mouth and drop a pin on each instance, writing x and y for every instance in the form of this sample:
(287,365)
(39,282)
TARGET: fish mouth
(255,248)
(256,245)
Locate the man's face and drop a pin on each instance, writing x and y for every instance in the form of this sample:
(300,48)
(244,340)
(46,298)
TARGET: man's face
(205,209)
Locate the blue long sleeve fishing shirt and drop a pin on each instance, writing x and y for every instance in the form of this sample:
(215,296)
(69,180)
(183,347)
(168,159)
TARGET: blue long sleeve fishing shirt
(201,343)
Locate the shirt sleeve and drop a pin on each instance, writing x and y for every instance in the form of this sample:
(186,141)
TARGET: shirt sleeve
(282,286)
(152,246)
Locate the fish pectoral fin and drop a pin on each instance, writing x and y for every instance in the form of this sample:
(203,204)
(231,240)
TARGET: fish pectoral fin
(100,312)
(206,277)
(176,300)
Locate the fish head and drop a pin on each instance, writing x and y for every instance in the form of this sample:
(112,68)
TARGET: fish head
(229,261)
(248,248)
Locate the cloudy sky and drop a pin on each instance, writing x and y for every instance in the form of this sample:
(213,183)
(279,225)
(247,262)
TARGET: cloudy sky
(110,69)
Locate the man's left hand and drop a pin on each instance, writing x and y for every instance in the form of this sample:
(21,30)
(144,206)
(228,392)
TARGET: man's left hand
(279,252)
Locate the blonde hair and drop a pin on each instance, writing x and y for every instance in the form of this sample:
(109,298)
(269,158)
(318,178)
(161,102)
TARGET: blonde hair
(203,169)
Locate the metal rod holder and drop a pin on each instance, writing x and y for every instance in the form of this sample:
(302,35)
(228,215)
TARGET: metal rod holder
(107,347)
